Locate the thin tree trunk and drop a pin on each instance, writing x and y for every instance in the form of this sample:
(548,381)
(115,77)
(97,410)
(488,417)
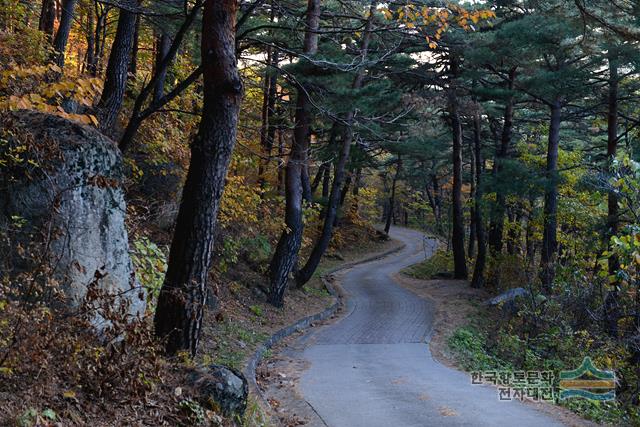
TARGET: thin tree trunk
(612,309)
(496,228)
(267,128)
(471,250)
(281,170)
(163,45)
(47,20)
(355,192)
(99,40)
(326,183)
(550,242)
(139,113)
(478,271)
(133,65)
(178,316)
(286,253)
(89,65)
(319,177)
(116,79)
(337,192)
(457,237)
(392,197)
(62,36)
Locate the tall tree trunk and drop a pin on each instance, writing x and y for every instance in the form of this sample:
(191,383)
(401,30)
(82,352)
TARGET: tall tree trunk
(286,253)
(392,197)
(163,44)
(133,65)
(326,182)
(478,271)
(319,177)
(268,127)
(47,20)
(62,36)
(612,309)
(305,274)
(471,251)
(549,238)
(437,192)
(457,237)
(116,79)
(178,316)
(496,229)
(91,42)
(101,35)
(432,201)
(99,40)
(355,192)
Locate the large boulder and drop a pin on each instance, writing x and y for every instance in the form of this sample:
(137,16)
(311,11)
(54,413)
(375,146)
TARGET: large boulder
(60,192)
(221,388)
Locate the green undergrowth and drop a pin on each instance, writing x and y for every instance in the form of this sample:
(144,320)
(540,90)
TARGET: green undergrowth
(476,348)
(229,352)
(440,264)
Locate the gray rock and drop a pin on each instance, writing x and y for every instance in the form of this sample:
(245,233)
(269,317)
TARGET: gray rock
(71,203)
(222,388)
(509,299)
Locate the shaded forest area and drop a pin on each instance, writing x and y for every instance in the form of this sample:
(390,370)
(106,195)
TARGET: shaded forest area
(229,148)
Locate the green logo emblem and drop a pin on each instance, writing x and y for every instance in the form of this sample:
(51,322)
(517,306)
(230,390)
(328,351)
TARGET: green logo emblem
(588,382)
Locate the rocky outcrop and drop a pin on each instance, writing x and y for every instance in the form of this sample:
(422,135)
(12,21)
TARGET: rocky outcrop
(221,388)
(61,195)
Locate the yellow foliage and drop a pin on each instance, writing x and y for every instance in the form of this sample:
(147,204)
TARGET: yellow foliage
(43,88)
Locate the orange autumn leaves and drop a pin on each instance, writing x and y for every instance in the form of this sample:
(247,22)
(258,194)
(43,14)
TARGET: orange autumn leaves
(413,16)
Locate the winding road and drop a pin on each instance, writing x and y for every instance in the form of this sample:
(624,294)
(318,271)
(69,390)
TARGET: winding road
(374,368)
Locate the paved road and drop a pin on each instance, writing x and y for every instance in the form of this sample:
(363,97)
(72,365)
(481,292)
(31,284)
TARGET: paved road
(373,368)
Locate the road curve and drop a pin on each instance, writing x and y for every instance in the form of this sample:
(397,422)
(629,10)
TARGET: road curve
(374,368)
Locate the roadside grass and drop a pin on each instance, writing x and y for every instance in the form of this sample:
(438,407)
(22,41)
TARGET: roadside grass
(439,265)
(232,354)
(475,351)
(499,339)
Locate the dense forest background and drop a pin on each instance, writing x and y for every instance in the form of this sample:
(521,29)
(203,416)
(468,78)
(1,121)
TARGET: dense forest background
(259,136)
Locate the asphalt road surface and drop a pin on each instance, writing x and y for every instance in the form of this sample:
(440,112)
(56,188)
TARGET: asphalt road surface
(374,368)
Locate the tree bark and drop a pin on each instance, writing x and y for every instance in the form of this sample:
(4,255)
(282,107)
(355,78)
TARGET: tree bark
(457,237)
(179,312)
(477,280)
(337,192)
(286,253)
(550,241)
(62,36)
(117,69)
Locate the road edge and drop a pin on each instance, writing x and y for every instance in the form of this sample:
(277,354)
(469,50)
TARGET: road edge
(304,323)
